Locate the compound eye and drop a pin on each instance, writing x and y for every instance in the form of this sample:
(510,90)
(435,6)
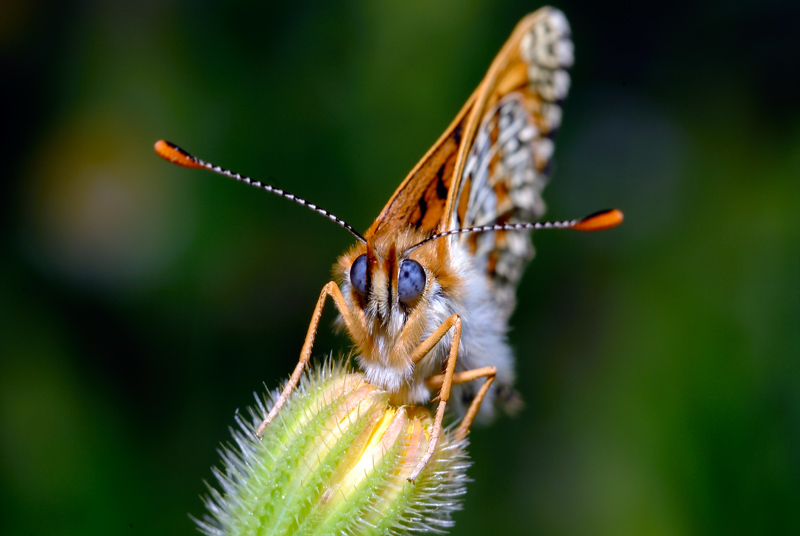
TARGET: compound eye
(358,275)
(410,281)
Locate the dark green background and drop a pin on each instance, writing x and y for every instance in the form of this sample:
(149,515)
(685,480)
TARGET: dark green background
(141,304)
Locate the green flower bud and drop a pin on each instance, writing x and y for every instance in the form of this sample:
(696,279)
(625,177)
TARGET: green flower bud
(336,461)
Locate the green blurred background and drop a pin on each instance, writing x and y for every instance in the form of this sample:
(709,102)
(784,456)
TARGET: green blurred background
(142,304)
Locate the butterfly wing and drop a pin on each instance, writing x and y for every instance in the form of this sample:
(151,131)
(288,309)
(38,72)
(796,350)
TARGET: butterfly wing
(493,160)
(501,176)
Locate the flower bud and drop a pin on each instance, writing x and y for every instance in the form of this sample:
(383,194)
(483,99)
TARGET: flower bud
(336,460)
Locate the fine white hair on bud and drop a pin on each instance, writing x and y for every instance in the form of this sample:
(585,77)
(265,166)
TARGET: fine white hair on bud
(335,461)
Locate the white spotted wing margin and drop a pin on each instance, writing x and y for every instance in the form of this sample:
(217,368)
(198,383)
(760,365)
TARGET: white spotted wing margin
(510,159)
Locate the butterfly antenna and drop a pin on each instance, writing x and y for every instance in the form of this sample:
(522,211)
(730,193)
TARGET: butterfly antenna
(599,221)
(172,153)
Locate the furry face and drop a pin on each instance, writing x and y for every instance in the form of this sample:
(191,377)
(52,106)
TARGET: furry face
(394,328)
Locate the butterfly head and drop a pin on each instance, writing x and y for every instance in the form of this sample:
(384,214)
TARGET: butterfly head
(391,282)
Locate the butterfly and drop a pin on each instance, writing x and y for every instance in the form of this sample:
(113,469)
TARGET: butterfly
(426,292)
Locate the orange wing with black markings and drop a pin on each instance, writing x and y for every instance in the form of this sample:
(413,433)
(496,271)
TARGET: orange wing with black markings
(421,199)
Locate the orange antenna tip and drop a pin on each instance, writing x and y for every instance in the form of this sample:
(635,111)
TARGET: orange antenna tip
(172,153)
(600,221)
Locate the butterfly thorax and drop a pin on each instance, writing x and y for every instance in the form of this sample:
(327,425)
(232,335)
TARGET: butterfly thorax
(394,328)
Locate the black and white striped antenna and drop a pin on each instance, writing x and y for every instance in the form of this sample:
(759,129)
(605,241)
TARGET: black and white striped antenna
(599,221)
(172,153)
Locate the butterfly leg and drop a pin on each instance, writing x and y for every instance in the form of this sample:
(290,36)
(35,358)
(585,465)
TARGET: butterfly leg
(454,322)
(332,290)
(467,376)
